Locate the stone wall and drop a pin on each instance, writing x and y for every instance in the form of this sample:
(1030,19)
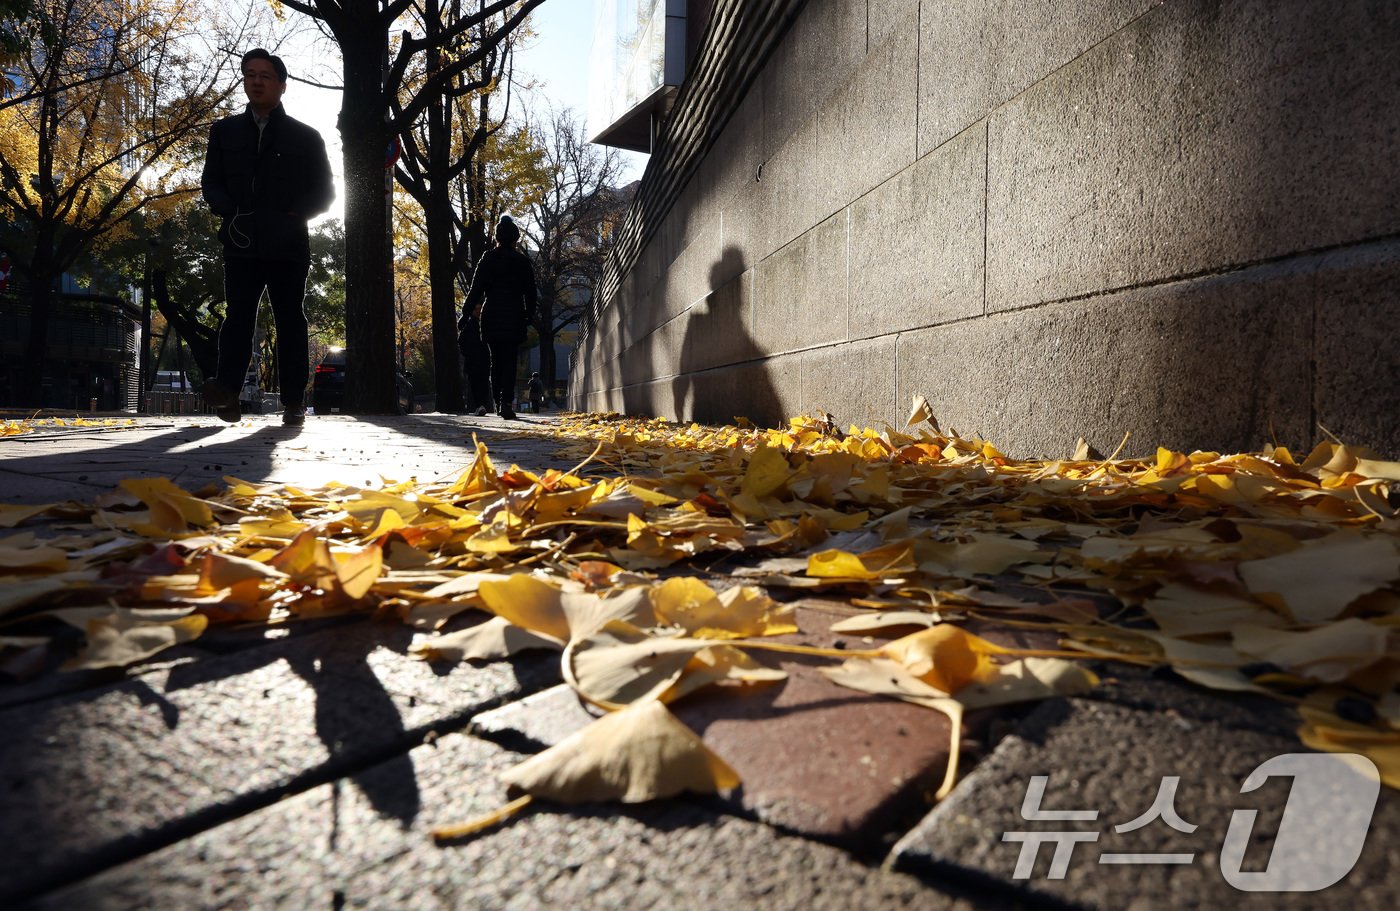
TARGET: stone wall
(1176,219)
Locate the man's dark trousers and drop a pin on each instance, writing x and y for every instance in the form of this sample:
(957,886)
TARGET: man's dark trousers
(245,278)
(476,362)
(503,371)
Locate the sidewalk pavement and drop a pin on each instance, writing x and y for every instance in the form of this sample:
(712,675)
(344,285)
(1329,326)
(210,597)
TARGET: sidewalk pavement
(305,768)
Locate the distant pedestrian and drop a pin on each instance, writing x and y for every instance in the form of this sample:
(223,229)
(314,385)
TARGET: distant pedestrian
(266,175)
(503,299)
(536,388)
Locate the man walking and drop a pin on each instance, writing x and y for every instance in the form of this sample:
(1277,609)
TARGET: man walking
(265,175)
(503,298)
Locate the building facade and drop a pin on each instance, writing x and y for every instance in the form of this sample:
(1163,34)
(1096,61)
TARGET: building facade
(93,344)
(1175,219)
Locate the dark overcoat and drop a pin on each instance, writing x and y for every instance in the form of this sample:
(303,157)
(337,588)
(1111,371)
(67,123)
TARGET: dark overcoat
(504,282)
(266,185)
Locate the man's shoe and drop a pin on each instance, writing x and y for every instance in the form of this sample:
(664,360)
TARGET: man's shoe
(294,417)
(224,400)
(507,414)
(481,411)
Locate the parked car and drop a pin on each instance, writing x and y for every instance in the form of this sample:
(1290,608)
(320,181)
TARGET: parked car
(328,385)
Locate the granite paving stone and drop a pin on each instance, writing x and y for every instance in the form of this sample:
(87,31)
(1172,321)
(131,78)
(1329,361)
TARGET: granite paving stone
(93,776)
(334,846)
(815,758)
(536,722)
(1117,760)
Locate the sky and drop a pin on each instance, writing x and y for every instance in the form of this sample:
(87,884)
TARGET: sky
(556,60)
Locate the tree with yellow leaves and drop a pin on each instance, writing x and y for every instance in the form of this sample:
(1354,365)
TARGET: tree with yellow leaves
(116,98)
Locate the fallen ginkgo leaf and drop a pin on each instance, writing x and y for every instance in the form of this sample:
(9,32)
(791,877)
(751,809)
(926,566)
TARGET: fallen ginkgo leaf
(495,638)
(123,637)
(640,753)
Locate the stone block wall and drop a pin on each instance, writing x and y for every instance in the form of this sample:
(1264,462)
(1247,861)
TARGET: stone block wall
(1177,219)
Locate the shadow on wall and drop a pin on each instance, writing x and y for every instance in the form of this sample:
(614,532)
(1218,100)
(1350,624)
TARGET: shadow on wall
(721,374)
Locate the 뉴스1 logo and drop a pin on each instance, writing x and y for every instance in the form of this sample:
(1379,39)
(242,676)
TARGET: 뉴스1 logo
(1334,793)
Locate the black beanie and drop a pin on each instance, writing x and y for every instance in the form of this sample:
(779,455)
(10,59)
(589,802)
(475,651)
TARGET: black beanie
(506,231)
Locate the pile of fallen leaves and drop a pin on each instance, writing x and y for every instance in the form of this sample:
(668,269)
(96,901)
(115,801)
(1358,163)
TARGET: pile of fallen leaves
(651,566)
(12,427)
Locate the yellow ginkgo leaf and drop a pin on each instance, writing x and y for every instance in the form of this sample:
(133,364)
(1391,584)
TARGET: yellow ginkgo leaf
(33,558)
(381,522)
(981,554)
(307,561)
(736,613)
(640,753)
(767,470)
(529,603)
(357,570)
(1028,680)
(651,497)
(1207,663)
(543,608)
(1324,731)
(492,539)
(1183,611)
(551,507)
(277,524)
(878,621)
(620,664)
(720,664)
(919,412)
(1329,653)
(495,638)
(13,514)
(480,478)
(1319,580)
(889,677)
(946,657)
(893,559)
(1376,468)
(243,578)
(172,508)
(124,637)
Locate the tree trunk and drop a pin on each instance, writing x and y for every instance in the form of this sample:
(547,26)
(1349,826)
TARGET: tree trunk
(444,300)
(42,276)
(203,342)
(437,217)
(370,386)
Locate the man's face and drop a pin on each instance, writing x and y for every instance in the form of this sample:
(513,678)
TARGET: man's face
(260,83)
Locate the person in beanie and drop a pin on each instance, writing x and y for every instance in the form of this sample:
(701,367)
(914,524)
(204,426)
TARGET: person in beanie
(503,299)
(266,175)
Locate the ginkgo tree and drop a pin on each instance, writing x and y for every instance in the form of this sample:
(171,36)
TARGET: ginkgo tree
(120,94)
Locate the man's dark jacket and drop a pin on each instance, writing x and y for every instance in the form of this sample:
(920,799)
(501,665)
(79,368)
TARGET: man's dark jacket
(266,187)
(505,280)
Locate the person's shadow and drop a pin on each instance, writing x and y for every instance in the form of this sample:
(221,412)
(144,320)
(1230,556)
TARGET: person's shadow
(356,719)
(721,374)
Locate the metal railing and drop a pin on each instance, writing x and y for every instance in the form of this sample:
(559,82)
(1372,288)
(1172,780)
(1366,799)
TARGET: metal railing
(176,403)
